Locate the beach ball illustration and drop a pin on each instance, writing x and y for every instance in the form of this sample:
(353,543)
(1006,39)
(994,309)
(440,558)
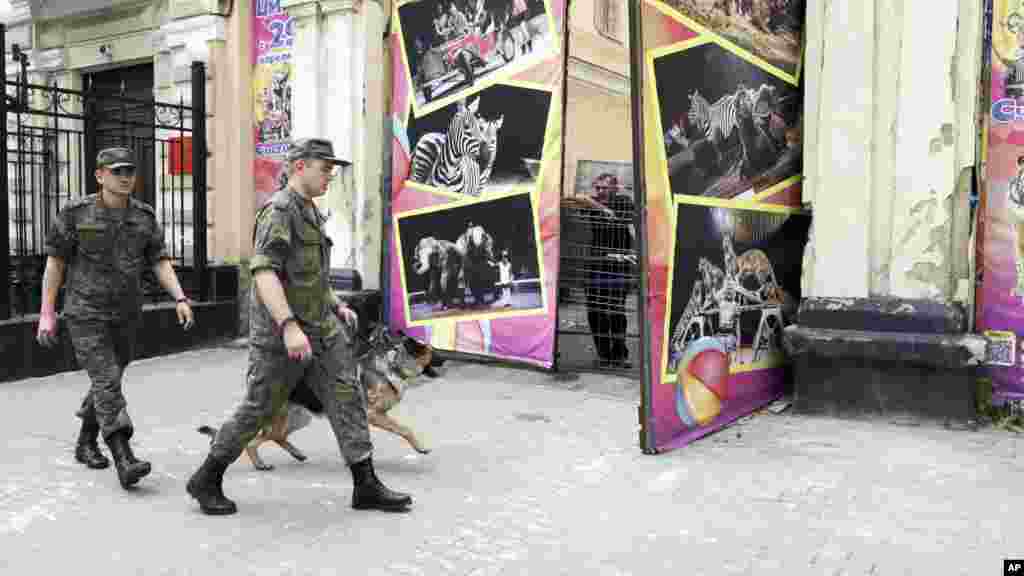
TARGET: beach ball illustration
(702,382)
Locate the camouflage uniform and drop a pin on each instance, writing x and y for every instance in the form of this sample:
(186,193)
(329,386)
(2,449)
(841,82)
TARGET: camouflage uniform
(105,251)
(290,241)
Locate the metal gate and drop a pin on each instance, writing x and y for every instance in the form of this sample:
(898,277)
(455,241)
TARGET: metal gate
(599,274)
(49,137)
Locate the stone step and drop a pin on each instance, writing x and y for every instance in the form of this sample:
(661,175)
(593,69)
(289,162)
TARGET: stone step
(883,314)
(855,357)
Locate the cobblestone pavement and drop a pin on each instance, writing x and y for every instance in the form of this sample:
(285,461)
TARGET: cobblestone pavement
(528,476)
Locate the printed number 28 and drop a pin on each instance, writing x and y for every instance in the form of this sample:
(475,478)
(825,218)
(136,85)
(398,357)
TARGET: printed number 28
(282,31)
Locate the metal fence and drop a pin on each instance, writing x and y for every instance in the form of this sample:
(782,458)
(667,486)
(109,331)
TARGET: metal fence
(49,136)
(598,281)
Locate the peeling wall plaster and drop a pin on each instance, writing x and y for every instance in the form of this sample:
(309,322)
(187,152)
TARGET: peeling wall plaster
(897,171)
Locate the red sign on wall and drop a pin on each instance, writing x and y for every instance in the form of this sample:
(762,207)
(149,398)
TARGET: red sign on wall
(179,161)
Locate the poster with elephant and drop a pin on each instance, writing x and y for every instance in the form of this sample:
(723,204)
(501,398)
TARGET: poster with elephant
(722,171)
(475,188)
(473,260)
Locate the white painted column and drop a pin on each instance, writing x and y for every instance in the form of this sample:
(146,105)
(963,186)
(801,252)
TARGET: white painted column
(342,73)
(336,44)
(924,152)
(839,124)
(370,211)
(890,123)
(305,72)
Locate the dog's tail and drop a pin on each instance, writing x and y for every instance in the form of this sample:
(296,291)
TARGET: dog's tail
(209,431)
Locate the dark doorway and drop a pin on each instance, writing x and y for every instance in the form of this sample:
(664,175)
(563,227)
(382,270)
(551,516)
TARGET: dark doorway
(124,116)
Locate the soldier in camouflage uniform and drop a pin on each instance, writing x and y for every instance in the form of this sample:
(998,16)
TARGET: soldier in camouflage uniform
(296,334)
(104,242)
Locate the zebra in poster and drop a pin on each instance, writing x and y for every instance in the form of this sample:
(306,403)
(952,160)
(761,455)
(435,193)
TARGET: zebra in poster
(460,160)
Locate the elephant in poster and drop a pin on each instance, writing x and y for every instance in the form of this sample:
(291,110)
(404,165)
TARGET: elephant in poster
(478,261)
(441,261)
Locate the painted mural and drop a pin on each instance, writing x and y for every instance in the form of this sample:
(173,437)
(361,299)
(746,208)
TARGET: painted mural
(273,35)
(722,117)
(1000,295)
(475,175)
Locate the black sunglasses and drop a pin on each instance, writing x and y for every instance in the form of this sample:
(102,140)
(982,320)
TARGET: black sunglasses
(123,171)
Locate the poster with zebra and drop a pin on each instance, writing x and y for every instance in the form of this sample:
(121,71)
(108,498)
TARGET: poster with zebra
(491,142)
(734,283)
(453,48)
(733,134)
(722,174)
(486,150)
(471,260)
(769,31)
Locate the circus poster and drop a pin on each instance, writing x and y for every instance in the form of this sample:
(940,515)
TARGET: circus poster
(999,298)
(476,158)
(725,233)
(273,35)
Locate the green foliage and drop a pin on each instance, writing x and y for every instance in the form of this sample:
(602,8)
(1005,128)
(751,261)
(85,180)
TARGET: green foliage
(1007,417)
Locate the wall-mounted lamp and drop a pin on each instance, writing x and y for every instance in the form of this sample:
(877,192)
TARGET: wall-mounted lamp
(106,51)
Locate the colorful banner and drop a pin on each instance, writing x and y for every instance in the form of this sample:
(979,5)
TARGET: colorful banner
(476,175)
(1000,295)
(273,33)
(722,120)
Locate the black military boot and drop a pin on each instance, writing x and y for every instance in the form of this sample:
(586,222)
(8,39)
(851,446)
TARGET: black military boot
(87,450)
(206,487)
(129,469)
(368,493)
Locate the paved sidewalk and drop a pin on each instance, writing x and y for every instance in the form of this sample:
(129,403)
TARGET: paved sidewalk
(527,477)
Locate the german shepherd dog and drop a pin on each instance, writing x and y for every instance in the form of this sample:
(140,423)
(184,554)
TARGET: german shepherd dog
(385,363)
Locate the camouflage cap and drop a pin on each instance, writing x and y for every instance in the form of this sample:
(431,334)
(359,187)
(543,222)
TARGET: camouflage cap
(314,148)
(115,157)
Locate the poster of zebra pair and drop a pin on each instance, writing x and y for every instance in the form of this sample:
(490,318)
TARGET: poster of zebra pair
(730,134)
(725,237)
(476,176)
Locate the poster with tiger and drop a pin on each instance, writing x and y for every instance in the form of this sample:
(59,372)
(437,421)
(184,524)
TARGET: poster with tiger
(476,165)
(725,232)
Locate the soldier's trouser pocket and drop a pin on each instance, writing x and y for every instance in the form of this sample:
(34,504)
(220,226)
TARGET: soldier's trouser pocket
(94,342)
(333,378)
(269,380)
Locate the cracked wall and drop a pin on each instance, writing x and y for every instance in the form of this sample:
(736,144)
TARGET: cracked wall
(891,130)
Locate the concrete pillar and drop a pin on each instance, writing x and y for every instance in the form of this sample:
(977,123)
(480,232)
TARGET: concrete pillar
(838,156)
(338,94)
(890,127)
